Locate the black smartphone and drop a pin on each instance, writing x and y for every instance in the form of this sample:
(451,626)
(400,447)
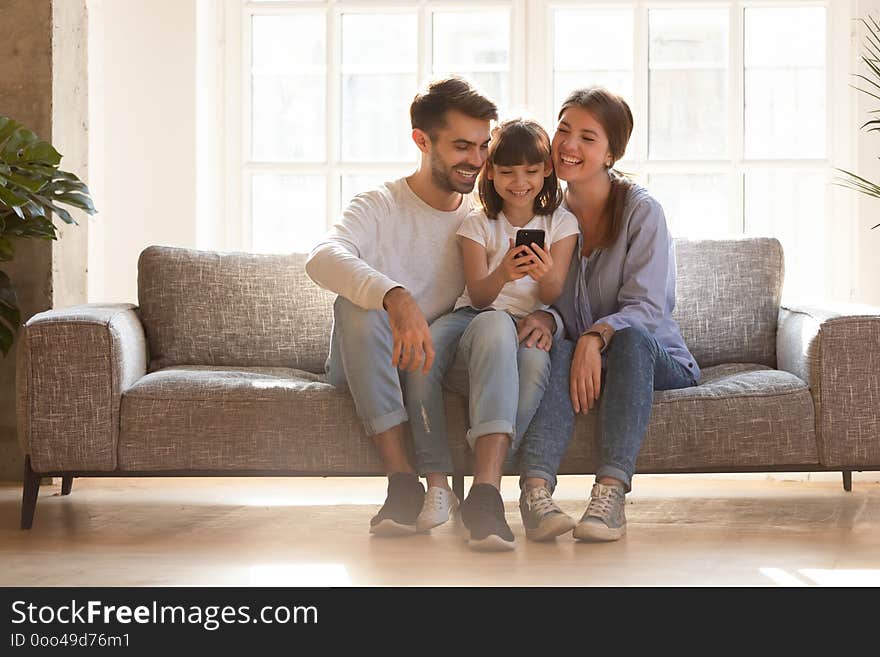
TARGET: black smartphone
(527,237)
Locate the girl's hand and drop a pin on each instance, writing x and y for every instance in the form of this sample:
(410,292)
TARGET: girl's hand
(513,268)
(586,373)
(541,262)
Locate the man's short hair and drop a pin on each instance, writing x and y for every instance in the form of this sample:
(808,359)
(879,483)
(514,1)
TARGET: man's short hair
(429,107)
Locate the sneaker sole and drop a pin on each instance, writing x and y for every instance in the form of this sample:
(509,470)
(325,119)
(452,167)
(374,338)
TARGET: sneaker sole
(593,533)
(550,529)
(492,543)
(388,527)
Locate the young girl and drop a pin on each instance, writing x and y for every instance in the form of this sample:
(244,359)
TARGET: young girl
(518,190)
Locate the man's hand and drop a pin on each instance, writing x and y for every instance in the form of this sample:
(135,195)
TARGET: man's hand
(536,328)
(410,332)
(586,373)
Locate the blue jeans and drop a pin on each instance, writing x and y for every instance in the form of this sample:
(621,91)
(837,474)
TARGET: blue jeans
(505,383)
(635,366)
(360,358)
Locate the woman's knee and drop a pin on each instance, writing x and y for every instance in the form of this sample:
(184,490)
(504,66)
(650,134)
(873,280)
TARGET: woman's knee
(632,341)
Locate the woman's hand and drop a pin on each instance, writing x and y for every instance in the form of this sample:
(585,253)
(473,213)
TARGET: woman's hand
(513,268)
(540,262)
(586,373)
(536,329)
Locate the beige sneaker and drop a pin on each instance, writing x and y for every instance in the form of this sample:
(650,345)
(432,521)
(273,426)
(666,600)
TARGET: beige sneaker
(604,519)
(439,505)
(542,519)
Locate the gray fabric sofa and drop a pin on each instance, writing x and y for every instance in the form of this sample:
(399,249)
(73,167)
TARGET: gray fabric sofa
(220,371)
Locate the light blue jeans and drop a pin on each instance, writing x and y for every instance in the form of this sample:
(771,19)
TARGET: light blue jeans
(503,380)
(360,358)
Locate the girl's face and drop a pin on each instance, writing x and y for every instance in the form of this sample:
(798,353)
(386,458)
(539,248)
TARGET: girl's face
(580,146)
(519,184)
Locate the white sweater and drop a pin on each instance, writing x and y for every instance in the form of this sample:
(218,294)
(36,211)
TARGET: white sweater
(389,237)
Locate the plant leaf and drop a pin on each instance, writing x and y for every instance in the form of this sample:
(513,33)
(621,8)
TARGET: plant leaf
(11,199)
(6,249)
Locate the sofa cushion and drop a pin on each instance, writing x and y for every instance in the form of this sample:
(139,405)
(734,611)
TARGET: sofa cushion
(210,308)
(739,416)
(278,419)
(257,418)
(727,299)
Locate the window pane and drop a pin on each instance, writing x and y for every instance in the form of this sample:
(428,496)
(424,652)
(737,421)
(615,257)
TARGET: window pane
(790,206)
(785,82)
(288,88)
(374,43)
(696,205)
(289,213)
(593,39)
(379,58)
(688,83)
(605,59)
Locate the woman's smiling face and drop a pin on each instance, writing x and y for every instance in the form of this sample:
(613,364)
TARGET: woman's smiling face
(580,146)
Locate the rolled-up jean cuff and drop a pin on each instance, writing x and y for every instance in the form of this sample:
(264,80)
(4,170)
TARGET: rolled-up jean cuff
(385,422)
(615,473)
(429,468)
(486,428)
(534,473)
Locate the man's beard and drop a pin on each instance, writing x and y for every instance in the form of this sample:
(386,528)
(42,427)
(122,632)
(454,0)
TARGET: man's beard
(440,175)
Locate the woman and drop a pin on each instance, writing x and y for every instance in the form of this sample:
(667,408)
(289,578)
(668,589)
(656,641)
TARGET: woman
(617,308)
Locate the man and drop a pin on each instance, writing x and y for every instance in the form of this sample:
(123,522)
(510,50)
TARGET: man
(394,262)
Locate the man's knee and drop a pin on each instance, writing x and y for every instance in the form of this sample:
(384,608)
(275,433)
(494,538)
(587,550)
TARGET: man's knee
(356,322)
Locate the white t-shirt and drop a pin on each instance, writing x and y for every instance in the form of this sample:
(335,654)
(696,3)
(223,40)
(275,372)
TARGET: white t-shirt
(519,297)
(389,237)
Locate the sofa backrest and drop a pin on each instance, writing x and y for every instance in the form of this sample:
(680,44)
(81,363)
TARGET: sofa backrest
(211,308)
(727,299)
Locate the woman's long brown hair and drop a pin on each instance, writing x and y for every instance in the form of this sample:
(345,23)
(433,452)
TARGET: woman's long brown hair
(614,114)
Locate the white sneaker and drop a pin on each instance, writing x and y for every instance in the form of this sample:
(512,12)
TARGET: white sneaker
(439,504)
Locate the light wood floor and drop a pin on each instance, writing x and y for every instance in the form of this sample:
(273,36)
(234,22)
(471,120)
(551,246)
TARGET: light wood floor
(683,530)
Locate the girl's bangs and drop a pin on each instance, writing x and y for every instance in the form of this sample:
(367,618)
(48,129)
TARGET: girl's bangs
(518,144)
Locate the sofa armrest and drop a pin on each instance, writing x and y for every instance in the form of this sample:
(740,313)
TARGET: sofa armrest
(72,366)
(836,350)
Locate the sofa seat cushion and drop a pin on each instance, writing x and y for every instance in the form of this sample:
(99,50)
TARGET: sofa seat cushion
(740,415)
(253,418)
(247,418)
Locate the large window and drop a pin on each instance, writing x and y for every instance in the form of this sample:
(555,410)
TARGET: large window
(730,102)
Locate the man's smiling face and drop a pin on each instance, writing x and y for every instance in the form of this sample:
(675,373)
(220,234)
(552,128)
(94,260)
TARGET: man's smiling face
(458,151)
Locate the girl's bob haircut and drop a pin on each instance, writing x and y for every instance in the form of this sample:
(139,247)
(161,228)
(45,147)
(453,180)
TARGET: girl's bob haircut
(514,142)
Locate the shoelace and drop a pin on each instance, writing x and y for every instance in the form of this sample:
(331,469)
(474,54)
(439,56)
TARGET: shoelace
(602,504)
(541,503)
(434,500)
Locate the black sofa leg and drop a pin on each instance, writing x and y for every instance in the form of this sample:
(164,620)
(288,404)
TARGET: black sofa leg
(30,491)
(847,480)
(66,484)
(458,485)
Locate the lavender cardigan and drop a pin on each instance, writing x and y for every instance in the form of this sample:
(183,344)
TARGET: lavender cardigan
(630,283)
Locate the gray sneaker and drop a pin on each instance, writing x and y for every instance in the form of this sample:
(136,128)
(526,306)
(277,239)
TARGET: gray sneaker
(541,517)
(604,519)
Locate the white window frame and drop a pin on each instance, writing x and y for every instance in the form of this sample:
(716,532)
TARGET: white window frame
(531,86)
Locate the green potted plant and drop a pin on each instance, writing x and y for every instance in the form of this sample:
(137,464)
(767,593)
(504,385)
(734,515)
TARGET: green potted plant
(871,57)
(32,189)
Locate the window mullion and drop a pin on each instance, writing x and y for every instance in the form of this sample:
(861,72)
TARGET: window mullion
(641,82)
(736,105)
(333,123)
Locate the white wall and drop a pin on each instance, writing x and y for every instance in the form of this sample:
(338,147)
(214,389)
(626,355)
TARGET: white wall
(146,192)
